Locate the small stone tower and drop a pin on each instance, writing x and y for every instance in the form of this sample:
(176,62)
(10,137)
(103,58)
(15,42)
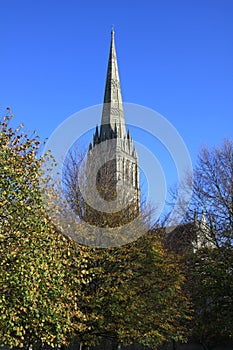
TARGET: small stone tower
(118,174)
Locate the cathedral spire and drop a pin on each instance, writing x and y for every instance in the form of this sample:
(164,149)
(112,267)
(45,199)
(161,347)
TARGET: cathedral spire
(113,113)
(117,178)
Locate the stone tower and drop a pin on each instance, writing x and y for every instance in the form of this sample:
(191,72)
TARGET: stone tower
(118,172)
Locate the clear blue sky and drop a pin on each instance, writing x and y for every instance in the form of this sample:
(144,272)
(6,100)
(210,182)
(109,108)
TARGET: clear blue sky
(175,56)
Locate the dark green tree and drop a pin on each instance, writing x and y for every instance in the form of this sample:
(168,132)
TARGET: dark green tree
(209,267)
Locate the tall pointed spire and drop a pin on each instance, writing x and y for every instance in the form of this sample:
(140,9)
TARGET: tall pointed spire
(113,112)
(118,175)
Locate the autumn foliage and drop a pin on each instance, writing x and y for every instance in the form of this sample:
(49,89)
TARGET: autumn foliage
(54,290)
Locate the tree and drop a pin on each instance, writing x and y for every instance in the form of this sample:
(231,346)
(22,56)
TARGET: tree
(38,265)
(150,306)
(136,288)
(213,193)
(211,282)
(210,269)
(136,293)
